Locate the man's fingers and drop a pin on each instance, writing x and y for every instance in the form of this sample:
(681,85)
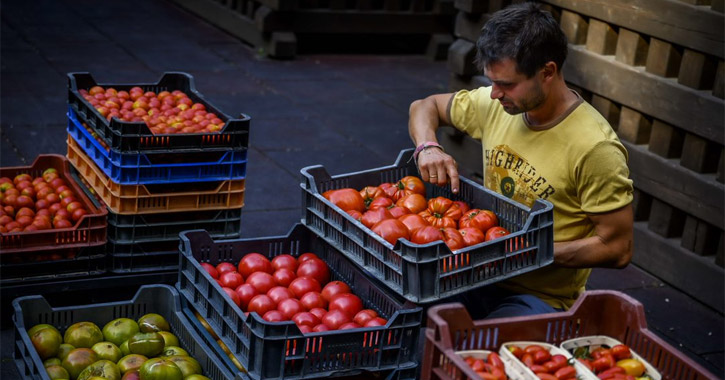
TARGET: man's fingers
(453,174)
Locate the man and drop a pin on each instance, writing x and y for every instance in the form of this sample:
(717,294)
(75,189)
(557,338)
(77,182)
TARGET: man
(540,140)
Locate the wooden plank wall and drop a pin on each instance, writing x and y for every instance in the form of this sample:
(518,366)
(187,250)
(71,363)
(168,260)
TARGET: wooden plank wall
(654,69)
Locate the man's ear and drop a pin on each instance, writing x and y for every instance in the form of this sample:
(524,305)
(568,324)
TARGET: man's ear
(550,70)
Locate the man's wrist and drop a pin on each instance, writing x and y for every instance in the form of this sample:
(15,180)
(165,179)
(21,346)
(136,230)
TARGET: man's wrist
(424,146)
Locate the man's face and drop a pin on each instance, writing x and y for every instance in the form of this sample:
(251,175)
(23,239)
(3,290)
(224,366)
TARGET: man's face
(512,89)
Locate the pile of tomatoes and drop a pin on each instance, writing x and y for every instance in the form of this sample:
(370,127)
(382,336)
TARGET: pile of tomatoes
(36,204)
(490,369)
(400,210)
(164,113)
(542,363)
(615,363)
(293,289)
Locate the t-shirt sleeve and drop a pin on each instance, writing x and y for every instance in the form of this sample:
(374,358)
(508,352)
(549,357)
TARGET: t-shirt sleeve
(464,112)
(604,183)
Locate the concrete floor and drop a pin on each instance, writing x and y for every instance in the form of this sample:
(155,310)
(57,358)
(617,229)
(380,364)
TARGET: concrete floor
(345,112)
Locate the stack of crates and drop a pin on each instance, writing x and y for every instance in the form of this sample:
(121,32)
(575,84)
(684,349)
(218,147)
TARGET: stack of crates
(157,185)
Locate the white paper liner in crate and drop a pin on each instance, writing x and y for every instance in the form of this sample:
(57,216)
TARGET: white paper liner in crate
(483,354)
(596,341)
(526,374)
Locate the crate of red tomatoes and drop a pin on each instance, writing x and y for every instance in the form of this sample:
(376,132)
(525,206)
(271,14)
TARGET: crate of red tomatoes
(293,307)
(585,342)
(422,240)
(49,226)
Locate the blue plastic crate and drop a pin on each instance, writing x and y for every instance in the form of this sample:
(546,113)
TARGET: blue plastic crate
(142,169)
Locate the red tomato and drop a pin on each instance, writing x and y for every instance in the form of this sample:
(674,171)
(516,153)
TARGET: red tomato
(289,307)
(538,368)
(377,321)
(245,292)
(472,236)
(334,288)
(231,279)
(305,318)
(305,329)
(463,206)
(442,212)
(413,202)
(541,356)
(306,256)
(391,230)
(225,267)
(495,360)
(382,202)
(604,362)
(413,222)
(346,302)
(261,281)
(261,304)
(374,215)
(587,363)
(565,373)
(316,269)
(311,300)
(406,185)
(398,211)
(453,238)
(321,328)
(426,234)
(369,193)
(552,366)
(254,262)
(284,261)
(619,351)
(527,359)
(279,293)
(357,215)
(545,376)
(232,295)
(335,318)
(283,276)
(495,233)
(346,199)
(477,218)
(211,270)
(318,312)
(349,326)
(273,316)
(363,316)
(301,285)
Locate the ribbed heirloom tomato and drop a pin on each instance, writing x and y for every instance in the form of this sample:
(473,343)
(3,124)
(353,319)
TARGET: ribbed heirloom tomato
(413,222)
(426,234)
(346,199)
(406,185)
(391,230)
(477,218)
(441,212)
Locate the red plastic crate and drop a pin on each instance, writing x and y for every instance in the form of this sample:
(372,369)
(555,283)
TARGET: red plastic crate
(90,230)
(451,329)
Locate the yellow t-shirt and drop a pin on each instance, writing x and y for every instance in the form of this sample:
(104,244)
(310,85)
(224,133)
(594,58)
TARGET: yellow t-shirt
(577,163)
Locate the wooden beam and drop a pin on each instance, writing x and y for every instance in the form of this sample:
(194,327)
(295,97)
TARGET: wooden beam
(718,88)
(666,141)
(574,26)
(673,103)
(642,205)
(222,17)
(665,220)
(699,194)
(699,154)
(601,38)
(665,259)
(631,48)
(697,70)
(663,59)
(700,237)
(460,58)
(634,126)
(697,28)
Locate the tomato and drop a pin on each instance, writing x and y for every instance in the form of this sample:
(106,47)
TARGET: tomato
(565,373)
(284,261)
(463,206)
(355,214)
(305,318)
(537,368)
(363,316)
(599,352)
(552,366)
(335,318)
(232,295)
(160,368)
(527,359)
(289,307)
(306,256)
(349,326)
(453,238)
(284,276)
(604,362)
(301,285)
(312,300)
(633,367)
(274,316)
(495,233)
(318,312)
(374,215)
(321,328)
(619,351)
(211,270)
(382,202)
(334,288)
(413,202)
(426,234)
(316,269)
(542,356)
(471,236)
(346,302)
(225,267)
(262,281)
(406,185)
(495,360)
(398,211)
(545,376)
(413,222)
(441,212)
(477,218)
(517,351)
(611,372)
(261,304)
(377,321)
(391,230)
(279,293)
(345,199)
(369,193)
(245,292)
(231,279)
(254,262)
(587,363)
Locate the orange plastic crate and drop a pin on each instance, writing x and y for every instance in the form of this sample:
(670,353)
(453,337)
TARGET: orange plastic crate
(451,329)
(90,230)
(151,199)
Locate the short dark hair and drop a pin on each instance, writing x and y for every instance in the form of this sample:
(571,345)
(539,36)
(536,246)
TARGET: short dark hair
(524,33)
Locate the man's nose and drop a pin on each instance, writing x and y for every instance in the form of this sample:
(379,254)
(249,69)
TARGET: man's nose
(496,93)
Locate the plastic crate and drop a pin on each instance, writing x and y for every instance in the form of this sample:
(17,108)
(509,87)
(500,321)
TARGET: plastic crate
(278,350)
(421,272)
(601,340)
(89,231)
(151,168)
(57,264)
(159,198)
(451,329)
(136,137)
(167,226)
(161,299)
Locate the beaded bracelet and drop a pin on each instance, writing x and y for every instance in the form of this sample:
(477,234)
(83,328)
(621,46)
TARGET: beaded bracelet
(424,146)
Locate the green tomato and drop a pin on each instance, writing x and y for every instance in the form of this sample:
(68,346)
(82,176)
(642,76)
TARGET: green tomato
(160,369)
(119,330)
(146,344)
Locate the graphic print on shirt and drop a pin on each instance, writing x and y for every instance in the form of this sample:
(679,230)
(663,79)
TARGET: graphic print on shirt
(510,174)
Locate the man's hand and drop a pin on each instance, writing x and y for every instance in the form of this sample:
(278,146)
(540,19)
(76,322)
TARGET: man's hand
(438,168)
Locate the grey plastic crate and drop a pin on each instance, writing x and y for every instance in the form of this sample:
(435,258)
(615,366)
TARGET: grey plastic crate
(161,299)
(425,273)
